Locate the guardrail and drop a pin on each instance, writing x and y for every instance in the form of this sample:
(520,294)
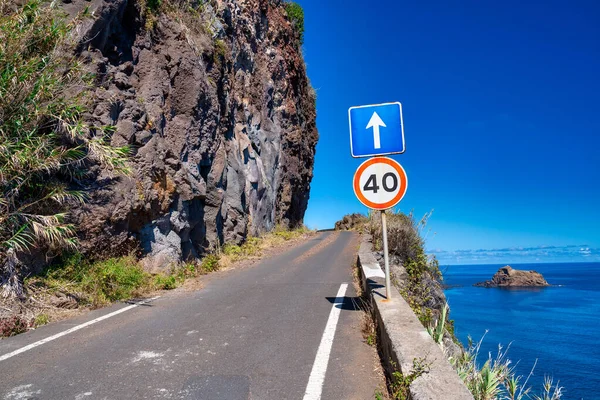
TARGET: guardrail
(403,339)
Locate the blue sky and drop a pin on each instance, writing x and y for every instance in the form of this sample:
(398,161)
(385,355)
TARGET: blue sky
(501,105)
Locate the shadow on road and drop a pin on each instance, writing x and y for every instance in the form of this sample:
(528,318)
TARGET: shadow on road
(348,303)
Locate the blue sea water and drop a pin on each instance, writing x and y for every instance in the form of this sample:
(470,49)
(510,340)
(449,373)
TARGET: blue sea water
(559,325)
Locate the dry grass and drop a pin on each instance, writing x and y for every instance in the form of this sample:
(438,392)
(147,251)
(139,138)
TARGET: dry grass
(256,248)
(75,285)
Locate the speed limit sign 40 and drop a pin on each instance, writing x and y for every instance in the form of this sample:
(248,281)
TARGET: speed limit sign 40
(380,183)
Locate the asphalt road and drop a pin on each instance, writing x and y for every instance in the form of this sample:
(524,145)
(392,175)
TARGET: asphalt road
(258,332)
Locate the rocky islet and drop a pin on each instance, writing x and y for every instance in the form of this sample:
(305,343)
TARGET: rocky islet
(510,277)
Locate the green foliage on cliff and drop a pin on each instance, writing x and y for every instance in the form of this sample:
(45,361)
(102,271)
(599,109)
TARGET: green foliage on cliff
(422,288)
(296,15)
(44,143)
(153,5)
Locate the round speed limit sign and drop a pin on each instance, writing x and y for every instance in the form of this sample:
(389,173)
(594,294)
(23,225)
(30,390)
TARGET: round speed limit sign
(380,183)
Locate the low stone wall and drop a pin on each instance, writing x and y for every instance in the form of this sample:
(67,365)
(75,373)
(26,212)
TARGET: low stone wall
(403,339)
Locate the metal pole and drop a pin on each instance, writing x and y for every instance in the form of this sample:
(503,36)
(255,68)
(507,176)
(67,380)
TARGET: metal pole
(388,286)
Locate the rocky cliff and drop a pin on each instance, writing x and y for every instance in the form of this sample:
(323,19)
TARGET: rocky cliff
(509,277)
(214,101)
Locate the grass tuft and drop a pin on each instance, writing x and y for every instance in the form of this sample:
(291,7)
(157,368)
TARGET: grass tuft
(496,379)
(41,319)
(94,284)
(165,282)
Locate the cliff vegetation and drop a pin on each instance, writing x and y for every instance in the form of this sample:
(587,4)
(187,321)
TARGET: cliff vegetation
(144,136)
(45,145)
(418,278)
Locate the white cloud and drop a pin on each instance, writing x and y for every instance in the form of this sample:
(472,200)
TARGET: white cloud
(570,253)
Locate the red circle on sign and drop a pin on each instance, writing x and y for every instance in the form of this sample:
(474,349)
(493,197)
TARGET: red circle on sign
(401,174)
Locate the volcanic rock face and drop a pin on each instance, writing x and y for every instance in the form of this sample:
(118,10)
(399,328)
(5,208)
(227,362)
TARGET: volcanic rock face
(509,277)
(220,117)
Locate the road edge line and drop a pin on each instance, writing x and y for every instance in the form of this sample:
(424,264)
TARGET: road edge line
(74,329)
(314,388)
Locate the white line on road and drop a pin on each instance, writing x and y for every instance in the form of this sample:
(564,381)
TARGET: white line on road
(73,329)
(317,375)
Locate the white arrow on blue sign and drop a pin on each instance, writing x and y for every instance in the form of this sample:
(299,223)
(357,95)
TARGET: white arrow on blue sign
(376,130)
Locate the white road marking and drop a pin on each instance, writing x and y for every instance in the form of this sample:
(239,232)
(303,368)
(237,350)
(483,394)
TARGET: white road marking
(75,328)
(314,387)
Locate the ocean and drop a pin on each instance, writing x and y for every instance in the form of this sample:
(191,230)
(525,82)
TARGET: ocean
(558,325)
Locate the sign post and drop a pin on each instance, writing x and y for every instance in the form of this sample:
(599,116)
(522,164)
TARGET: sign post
(380,182)
(386,259)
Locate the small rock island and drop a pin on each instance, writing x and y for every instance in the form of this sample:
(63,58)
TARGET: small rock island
(509,277)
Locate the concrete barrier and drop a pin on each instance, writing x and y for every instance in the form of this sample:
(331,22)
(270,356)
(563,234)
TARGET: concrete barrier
(403,339)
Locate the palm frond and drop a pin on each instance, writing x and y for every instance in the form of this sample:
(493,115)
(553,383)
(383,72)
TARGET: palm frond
(21,240)
(62,196)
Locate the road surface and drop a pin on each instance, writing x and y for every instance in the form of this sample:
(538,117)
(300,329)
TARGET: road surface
(285,328)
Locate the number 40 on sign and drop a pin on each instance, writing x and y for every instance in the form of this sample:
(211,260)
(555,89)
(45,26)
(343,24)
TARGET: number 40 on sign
(380,183)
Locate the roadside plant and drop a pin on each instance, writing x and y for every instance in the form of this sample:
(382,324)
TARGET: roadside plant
(436,330)
(550,391)
(45,146)
(497,379)
(165,282)
(406,245)
(400,383)
(41,319)
(210,263)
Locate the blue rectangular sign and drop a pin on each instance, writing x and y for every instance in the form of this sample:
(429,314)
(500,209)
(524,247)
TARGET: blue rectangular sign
(376,130)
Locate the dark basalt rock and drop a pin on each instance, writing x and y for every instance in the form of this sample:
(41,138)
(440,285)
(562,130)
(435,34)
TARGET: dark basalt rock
(220,116)
(509,277)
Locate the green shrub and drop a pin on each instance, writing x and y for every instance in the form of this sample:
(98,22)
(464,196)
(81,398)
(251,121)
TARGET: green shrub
(96,283)
(296,16)
(250,248)
(189,270)
(407,245)
(165,282)
(116,278)
(45,147)
(288,234)
(41,319)
(400,383)
(153,5)
(436,330)
(232,250)
(220,50)
(210,263)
